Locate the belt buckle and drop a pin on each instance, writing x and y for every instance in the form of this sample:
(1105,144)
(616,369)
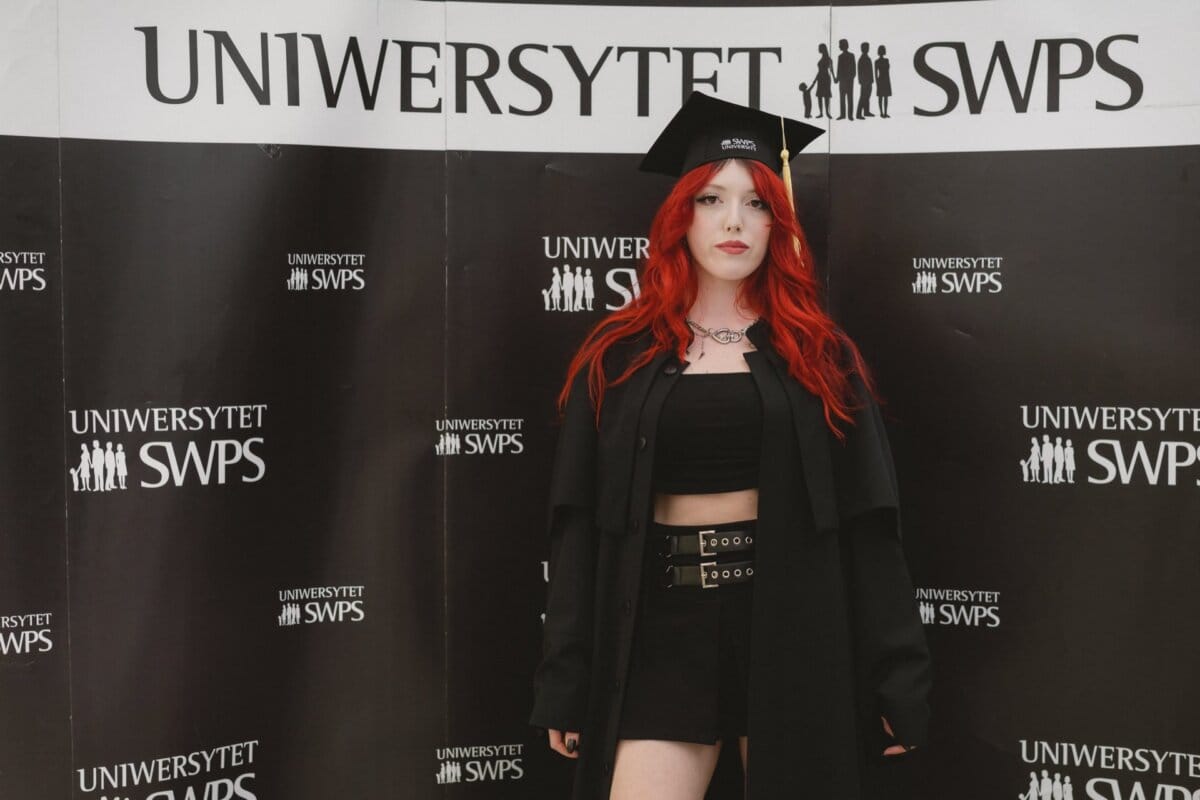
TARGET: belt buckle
(704,584)
(704,542)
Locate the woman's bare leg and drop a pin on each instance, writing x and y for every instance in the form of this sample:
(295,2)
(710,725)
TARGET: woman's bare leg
(662,770)
(743,745)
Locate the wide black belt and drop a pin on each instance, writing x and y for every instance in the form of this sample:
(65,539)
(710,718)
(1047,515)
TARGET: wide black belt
(709,574)
(706,542)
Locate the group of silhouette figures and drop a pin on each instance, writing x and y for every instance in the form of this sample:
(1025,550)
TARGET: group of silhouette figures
(569,292)
(926,283)
(297,279)
(1058,789)
(290,615)
(448,444)
(871,75)
(450,772)
(1047,462)
(99,470)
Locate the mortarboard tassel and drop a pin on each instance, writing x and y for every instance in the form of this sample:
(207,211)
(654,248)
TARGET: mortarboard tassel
(787,179)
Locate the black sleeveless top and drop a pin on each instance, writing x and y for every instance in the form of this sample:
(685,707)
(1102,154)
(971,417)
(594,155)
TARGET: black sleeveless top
(709,435)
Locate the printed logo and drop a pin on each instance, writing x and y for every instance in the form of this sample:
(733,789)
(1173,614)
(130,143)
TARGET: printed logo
(479,436)
(290,615)
(25,634)
(1017,88)
(1153,462)
(326,272)
(1047,462)
(449,772)
(100,470)
(190,776)
(572,286)
(319,604)
(1060,788)
(844,73)
(1136,773)
(297,280)
(972,608)
(569,291)
(22,271)
(856,71)
(957,275)
(231,456)
(493,762)
(739,144)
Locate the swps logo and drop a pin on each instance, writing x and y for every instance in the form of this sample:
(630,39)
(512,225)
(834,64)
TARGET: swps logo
(25,634)
(22,271)
(480,436)
(1124,773)
(971,608)
(310,605)
(219,451)
(572,286)
(1163,457)
(323,272)
(957,275)
(492,762)
(736,143)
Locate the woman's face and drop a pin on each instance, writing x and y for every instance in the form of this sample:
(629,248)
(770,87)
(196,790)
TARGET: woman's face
(730,225)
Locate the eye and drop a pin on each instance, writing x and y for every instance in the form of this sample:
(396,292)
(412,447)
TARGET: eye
(707,199)
(760,205)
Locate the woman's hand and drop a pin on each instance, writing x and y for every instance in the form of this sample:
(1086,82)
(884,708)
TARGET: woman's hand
(566,744)
(896,749)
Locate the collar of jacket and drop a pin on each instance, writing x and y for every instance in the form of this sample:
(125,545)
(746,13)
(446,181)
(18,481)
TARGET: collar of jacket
(808,418)
(812,434)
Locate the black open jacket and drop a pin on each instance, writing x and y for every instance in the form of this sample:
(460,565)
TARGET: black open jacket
(836,638)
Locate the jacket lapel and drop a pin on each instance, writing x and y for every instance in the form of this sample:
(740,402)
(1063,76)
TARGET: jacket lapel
(808,415)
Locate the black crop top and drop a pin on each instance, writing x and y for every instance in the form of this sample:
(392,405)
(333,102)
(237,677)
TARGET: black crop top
(709,435)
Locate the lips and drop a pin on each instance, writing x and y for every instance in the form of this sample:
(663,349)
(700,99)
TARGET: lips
(733,248)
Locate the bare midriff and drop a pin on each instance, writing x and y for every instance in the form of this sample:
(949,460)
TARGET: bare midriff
(706,509)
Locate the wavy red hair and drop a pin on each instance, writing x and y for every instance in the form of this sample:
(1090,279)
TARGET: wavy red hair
(783,291)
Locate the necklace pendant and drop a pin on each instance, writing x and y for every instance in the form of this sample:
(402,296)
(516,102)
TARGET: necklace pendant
(726,336)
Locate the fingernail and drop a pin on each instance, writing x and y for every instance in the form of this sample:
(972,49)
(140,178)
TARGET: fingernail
(570,745)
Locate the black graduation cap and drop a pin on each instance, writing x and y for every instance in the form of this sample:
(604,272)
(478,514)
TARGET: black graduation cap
(708,129)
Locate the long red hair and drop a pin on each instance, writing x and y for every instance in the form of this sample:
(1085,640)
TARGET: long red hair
(783,291)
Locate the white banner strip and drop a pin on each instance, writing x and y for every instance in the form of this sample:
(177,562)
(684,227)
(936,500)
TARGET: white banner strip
(406,74)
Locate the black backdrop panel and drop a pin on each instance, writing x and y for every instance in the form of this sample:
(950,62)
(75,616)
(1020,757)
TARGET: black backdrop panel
(34,643)
(177,295)
(1095,307)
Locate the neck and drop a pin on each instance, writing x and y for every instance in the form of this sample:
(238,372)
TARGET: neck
(716,304)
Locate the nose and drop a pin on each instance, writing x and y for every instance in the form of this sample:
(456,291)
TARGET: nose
(733,218)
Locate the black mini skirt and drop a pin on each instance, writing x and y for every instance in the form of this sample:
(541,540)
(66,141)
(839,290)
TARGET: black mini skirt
(690,660)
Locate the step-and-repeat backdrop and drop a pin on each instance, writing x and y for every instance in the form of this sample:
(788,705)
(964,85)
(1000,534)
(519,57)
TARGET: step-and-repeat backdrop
(287,290)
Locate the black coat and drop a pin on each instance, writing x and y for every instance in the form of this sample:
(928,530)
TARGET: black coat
(836,637)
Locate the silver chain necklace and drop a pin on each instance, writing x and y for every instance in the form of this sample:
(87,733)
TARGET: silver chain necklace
(718,335)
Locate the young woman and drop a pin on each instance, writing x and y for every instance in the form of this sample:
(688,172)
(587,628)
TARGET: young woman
(725,564)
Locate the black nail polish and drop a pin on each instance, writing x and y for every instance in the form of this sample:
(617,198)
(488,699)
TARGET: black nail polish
(570,745)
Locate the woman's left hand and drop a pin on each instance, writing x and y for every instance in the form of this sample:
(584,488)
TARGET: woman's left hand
(896,749)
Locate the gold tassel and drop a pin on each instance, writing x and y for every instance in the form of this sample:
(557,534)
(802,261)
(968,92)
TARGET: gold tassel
(787,180)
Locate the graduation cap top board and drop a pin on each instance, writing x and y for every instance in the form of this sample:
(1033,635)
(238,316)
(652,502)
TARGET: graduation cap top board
(708,129)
